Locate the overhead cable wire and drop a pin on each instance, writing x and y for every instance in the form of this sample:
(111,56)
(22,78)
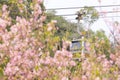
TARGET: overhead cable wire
(98,12)
(82,7)
(101,17)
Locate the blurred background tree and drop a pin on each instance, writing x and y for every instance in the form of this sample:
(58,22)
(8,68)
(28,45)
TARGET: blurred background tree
(65,28)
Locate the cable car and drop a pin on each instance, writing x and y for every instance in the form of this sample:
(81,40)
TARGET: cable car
(76,46)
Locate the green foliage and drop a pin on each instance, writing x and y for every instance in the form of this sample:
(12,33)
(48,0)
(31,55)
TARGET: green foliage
(65,28)
(103,43)
(15,8)
(3,64)
(89,14)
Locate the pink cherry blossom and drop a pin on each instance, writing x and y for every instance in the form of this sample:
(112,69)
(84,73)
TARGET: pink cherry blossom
(4,7)
(40,1)
(84,77)
(20,1)
(29,56)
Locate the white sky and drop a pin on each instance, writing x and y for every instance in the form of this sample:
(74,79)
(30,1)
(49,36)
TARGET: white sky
(100,24)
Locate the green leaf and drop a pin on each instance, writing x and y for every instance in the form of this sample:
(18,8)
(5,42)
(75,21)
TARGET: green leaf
(1,72)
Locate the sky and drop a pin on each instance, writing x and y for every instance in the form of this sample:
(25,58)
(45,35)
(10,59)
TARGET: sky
(100,23)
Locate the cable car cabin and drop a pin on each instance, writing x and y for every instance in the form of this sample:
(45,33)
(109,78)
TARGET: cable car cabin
(76,46)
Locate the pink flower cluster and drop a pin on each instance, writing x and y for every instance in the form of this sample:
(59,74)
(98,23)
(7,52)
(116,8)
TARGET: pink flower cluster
(26,61)
(100,68)
(29,57)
